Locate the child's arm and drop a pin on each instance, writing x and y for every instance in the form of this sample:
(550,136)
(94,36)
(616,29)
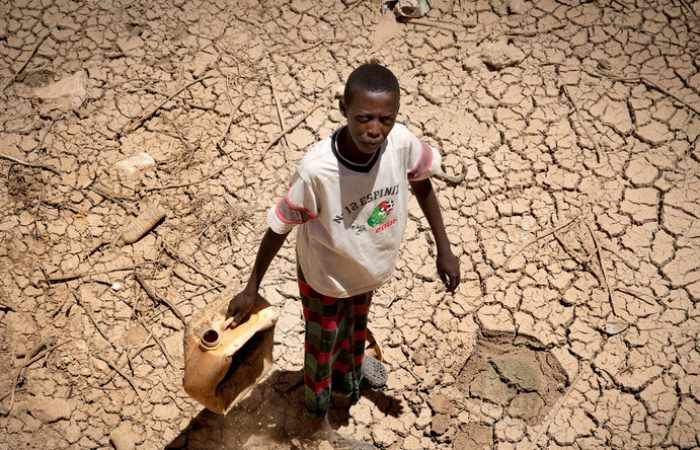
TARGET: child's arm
(447,262)
(241,304)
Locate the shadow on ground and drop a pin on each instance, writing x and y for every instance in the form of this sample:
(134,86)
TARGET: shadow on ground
(271,417)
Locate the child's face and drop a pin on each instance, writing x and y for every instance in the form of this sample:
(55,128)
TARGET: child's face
(371,116)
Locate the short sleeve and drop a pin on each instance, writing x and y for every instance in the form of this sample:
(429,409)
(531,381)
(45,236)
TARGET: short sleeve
(423,159)
(296,207)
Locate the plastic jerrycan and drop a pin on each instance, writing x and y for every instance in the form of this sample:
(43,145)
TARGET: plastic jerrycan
(223,363)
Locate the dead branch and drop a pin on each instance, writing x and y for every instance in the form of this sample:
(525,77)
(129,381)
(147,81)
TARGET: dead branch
(158,299)
(537,239)
(26,62)
(440,26)
(602,269)
(134,125)
(218,171)
(582,123)
(277,106)
(165,353)
(120,373)
(146,344)
(585,263)
(598,73)
(533,33)
(76,275)
(288,130)
(549,418)
(224,136)
(88,311)
(32,165)
(43,348)
(173,254)
(636,295)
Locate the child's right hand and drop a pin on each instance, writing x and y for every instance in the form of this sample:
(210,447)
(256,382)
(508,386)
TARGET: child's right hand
(239,307)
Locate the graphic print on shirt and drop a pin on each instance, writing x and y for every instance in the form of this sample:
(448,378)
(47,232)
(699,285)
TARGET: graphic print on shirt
(380,213)
(379,216)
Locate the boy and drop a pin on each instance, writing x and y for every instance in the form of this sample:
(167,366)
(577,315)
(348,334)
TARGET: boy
(349,197)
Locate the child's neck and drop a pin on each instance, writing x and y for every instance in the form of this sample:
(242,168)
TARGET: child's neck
(348,149)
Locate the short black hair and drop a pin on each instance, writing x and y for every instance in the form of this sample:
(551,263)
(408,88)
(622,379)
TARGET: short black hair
(370,77)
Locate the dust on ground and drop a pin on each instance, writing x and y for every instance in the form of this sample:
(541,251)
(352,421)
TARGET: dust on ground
(577,224)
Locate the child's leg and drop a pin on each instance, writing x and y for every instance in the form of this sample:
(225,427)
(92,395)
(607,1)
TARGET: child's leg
(323,318)
(347,370)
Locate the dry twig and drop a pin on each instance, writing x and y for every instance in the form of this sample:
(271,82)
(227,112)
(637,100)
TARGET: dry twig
(427,23)
(641,79)
(32,165)
(43,348)
(134,125)
(173,254)
(76,275)
(88,311)
(26,62)
(636,295)
(158,299)
(224,136)
(120,373)
(130,357)
(277,106)
(602,269)
(288,130)
(537,239)
(583,124)
(166,354)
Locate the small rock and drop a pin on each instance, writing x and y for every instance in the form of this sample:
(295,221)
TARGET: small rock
(615,327)
(50,410)
(440,404)
(440,424)
(135,164)
(123,437)
(383,437)
(499,55)
(66,94)
(130,46)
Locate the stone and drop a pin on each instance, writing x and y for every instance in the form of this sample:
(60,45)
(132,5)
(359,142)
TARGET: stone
(383,437)
(123,437)
(440,424)
(499,55)
(131,46)
(49,410)
(440,404)
(66,94)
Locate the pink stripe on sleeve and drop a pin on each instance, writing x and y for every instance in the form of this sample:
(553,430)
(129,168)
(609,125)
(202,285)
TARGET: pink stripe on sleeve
(423,165)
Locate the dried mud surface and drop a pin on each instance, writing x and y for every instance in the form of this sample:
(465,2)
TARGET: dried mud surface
(577,224)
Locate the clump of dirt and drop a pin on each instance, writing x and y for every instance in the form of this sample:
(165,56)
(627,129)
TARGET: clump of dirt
(515,374)
(24,185)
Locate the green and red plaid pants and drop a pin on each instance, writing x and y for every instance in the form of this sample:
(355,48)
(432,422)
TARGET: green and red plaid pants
(334,346)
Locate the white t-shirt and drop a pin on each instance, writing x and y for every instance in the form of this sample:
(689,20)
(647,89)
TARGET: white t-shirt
(352,217)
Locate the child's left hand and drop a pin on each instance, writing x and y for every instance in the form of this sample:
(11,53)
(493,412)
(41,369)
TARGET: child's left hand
(448,269)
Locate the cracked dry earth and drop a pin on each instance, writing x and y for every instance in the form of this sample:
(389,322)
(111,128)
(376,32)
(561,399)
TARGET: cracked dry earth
(577,225)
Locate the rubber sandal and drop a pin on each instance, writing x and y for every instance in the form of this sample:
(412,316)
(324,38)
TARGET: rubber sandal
(374,372)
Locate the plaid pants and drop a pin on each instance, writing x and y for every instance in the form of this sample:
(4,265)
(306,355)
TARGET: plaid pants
(334,346)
